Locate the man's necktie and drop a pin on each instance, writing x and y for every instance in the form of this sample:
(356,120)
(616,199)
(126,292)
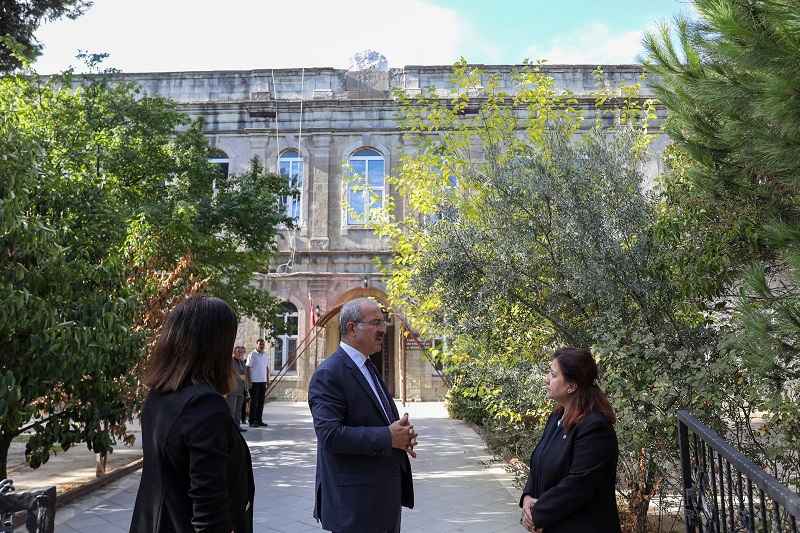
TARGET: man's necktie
(379,387)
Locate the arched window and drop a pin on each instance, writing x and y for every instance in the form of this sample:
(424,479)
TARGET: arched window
(366,191)
(290,164)
(286,344)
(223,163)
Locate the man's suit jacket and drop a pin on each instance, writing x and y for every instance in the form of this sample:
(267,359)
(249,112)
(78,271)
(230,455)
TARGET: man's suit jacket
(197,474)
(361,480)
(576,478)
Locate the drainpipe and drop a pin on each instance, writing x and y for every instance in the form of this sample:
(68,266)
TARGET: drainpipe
(403,362)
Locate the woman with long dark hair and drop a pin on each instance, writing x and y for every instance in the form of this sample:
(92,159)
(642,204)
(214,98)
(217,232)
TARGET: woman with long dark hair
(572,482)
(197,473)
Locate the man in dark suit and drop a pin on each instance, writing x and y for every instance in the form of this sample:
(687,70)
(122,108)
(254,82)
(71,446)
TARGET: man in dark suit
(363,471)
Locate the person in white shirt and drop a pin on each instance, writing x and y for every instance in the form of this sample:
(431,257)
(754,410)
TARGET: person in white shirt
(258,378)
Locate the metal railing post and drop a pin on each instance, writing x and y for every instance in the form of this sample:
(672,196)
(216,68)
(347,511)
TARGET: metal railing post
(690,512)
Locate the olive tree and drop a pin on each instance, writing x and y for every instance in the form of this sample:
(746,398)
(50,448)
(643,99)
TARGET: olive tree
(522,230)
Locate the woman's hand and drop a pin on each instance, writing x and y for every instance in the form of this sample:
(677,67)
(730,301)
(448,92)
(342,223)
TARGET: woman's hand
(527,504)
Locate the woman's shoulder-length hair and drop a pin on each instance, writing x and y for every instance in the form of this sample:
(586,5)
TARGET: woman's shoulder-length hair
(194,346)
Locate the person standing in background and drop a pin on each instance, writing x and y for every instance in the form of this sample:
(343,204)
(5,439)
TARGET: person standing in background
(236,398)
(258,377)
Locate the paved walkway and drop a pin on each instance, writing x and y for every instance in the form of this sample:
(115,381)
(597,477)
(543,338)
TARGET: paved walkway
(458,486)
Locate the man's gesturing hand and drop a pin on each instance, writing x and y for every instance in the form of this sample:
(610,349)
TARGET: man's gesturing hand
(403,435)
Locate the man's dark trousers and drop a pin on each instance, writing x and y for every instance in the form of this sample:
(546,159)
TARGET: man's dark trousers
(257,393)
(245,403)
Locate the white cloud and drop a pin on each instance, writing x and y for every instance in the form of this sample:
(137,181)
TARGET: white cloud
(164,35)
(589,45)
(174,35)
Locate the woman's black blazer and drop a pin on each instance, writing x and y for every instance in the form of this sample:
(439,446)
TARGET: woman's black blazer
(576,478)
(197,473)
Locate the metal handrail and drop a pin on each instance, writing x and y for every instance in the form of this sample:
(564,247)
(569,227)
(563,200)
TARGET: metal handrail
(702,474)
(293,357)
(425,353)
(312,335)
(39,503)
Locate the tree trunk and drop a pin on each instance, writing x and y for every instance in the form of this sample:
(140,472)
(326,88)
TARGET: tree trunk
(5,444)
(642,483)
(100,463)
(641,516)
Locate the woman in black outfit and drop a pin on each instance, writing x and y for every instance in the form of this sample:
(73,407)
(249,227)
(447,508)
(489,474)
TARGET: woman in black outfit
(197,473)
(571,487)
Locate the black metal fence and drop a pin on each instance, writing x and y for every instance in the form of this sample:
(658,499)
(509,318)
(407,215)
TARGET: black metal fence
(40,505)
(724,491)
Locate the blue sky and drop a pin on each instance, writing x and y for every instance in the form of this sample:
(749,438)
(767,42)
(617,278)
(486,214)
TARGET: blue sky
(184,35)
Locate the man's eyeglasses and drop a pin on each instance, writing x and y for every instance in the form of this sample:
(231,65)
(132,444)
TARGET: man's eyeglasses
(376,323)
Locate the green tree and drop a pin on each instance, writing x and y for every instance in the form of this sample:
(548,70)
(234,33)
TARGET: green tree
(521,231)
(19,19)
(104,189)
(65,340)
(729,79)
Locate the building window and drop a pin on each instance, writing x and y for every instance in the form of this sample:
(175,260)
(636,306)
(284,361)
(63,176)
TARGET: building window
(286,344)
(290,164)
(223,163)
(365,191)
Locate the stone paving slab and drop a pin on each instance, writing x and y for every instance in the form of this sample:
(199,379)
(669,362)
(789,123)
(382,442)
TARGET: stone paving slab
(458,485)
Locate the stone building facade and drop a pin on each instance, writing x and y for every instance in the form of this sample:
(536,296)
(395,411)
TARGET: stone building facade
(312,123)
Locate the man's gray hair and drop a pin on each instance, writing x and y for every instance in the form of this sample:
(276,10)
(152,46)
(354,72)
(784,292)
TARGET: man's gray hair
(351,312)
